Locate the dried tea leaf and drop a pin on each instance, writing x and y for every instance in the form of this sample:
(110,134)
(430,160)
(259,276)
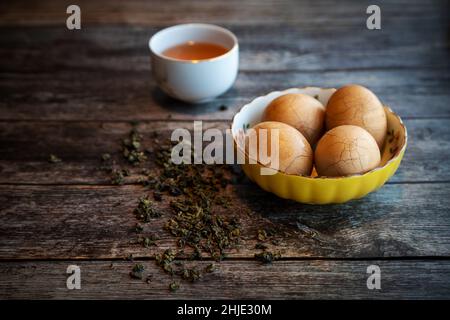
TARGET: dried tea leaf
(54,159)
(267,256)
(260,246)
(106,157)
(148,241)
(145,210)
(138,271)
(210,268)
(174,286)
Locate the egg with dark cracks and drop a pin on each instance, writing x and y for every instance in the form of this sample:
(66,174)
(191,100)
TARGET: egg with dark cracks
(346,150)
(303,112)
(358,106)
(281,147)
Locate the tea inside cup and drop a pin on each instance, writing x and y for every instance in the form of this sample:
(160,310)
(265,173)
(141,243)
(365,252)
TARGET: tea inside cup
(194,62)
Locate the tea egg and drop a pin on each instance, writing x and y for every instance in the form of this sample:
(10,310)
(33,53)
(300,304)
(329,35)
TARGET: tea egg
(301,111)
(295,153)
(346,150)
(356,105)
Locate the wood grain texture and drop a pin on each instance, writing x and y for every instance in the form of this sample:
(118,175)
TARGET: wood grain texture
(88,222)
(140,12)
(267,47)
(103,73)
(25,147)
(117,95)
(74,94)
(309,279)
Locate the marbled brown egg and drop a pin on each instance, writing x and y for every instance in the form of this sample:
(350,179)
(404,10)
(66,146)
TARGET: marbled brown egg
(295,153)
(301,111)
(356,105)
(346,150)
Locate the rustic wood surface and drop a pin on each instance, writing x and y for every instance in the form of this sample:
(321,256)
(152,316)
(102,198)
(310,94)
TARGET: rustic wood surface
(76,94)
(89,222)
(301,279)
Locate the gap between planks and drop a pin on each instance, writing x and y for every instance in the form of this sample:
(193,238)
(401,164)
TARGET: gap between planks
(231,259)
(168,120)
(138,184)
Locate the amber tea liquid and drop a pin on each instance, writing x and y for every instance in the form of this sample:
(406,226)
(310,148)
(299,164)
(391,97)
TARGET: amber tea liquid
(195,51)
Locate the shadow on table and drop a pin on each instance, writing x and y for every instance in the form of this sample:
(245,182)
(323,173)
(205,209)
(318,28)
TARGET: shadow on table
(172,105)
(328,220)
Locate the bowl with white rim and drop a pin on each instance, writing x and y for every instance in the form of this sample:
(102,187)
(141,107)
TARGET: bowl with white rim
(316,189)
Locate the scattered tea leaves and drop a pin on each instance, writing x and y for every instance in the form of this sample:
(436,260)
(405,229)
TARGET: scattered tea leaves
(267,234)
(189,274)
(195,193)
(132,148)
(165,259)
(118,176)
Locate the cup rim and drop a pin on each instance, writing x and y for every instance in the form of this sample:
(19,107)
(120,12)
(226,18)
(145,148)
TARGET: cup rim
(202,25)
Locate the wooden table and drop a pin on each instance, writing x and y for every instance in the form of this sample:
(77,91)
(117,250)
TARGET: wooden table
(76,94)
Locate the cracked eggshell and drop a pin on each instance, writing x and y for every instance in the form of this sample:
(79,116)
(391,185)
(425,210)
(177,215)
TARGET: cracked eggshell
(346,150)
(356,105)
(301,111)
(319,190)
(295,153)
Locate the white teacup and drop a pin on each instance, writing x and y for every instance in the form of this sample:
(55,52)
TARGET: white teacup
(194,81)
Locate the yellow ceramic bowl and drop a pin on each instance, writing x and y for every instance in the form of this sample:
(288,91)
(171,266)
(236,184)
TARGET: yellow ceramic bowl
(314,189)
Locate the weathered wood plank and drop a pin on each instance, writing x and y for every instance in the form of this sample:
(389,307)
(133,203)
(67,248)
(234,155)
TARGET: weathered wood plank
(132,95)
(309,279)
(87,222)
(95,73)
(307,13)
(103,73)
(262,47)
(25,148)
